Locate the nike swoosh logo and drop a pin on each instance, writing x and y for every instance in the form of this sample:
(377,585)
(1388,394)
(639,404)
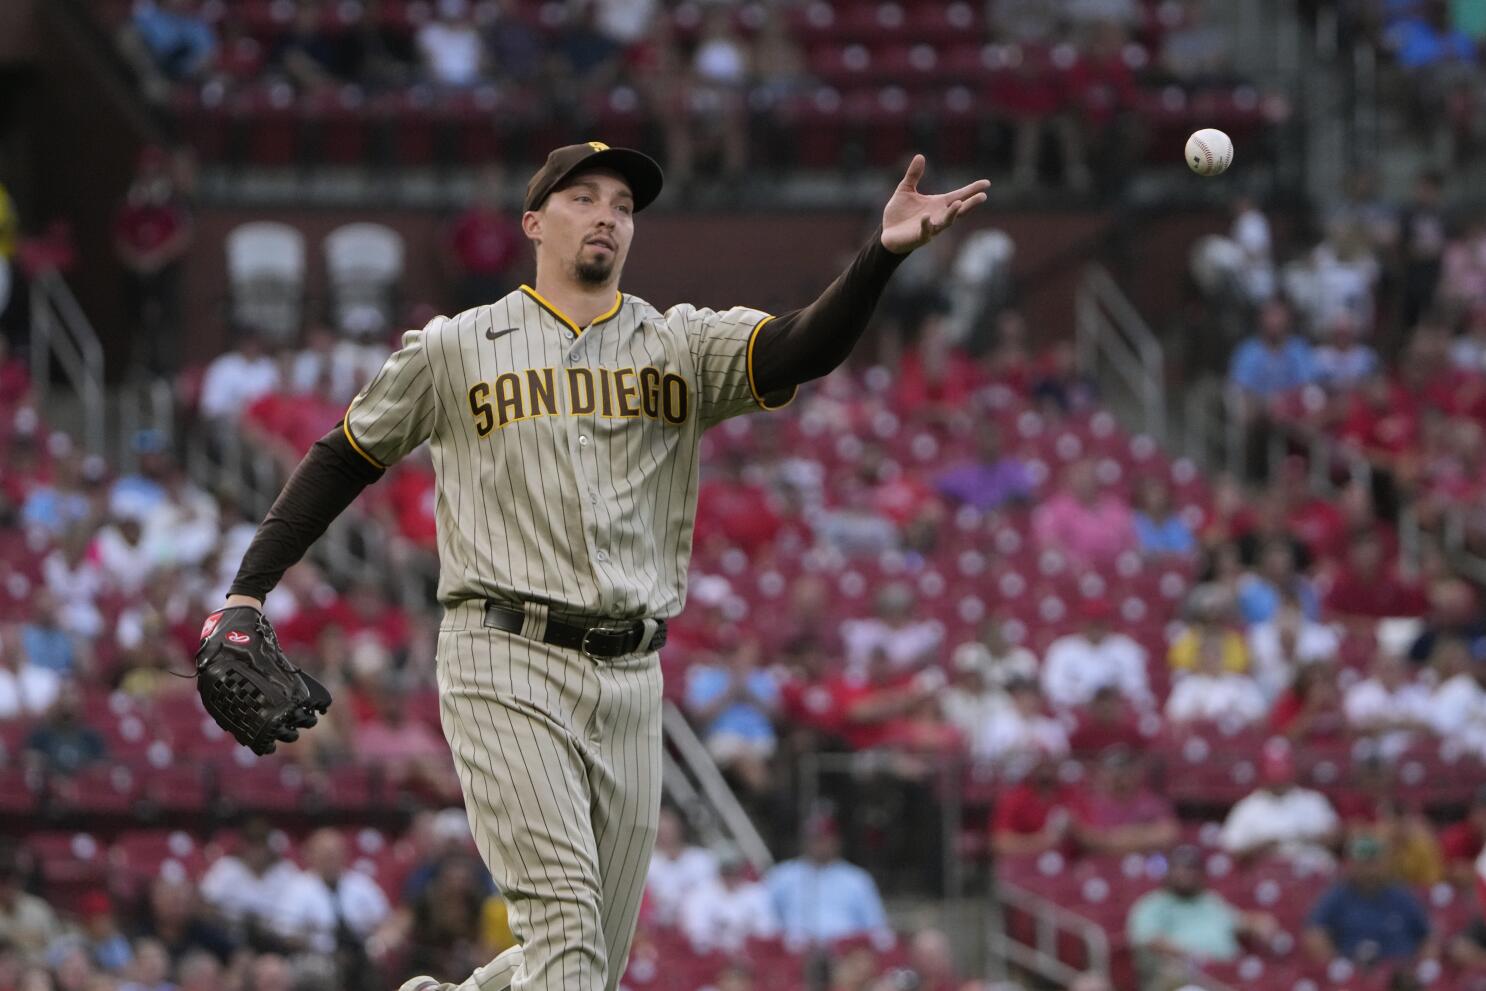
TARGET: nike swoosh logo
(491,333)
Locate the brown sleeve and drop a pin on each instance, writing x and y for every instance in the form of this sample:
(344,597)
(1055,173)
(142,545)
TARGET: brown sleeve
(328,480)
(806,344)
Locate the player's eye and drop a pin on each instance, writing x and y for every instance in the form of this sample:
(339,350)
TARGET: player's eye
(625,209)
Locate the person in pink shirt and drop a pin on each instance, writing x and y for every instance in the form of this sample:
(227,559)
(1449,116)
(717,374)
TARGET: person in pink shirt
(1086,522)
(411,752)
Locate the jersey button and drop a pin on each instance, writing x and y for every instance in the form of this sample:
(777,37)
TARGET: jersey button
(573,358)
(602,556)
(582,440)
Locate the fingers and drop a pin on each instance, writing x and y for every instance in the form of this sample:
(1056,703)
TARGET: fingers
(914,174)
(965,192)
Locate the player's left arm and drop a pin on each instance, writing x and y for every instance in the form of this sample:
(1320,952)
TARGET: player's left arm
(807,344)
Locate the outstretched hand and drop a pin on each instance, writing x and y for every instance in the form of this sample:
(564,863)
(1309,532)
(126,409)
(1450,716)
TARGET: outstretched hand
(912,219)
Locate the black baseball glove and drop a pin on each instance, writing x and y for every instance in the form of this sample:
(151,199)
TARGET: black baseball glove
(248,685)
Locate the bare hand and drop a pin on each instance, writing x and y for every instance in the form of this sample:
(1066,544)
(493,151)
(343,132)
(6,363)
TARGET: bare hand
(912,219)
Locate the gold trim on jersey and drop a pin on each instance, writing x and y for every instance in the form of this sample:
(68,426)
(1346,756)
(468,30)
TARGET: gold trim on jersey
(608,314)
(346,429)
(753,386)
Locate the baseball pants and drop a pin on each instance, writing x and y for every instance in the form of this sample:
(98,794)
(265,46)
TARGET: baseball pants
(559,758)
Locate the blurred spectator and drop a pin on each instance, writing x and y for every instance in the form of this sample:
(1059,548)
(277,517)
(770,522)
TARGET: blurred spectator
(1105,97)
(819,897)
(1337,278)
(270,972)
(1078,664)
(1251,233)
(724,912)
(1422,241)
(234,380)
(676,868)
(1107,721)
(307,54)
(972,703)
(1388,704)
(1214,693)
(166,40)
(778,61)
(151,969)
(107,947)
(935,377)
(484,244)
(1000,660)
(1196,51)
(515,46)
(1184,922)
(248,887)
(931,966)
(1366,916)
(1461,843)
(989,481)
(1089,522)
(450,46)
(408,750)
(1121,814)
(143,491)
(1209,630)
(1343,361)
(1035,814)
(1273,361)
(26,922)
(62,743)
(720,70)
(1458,706)
(1453,614)
(906,640)
(1281,645)
(173,915)
(441,926)
(152,232)
(1024,729)
(26,688)
(1274,578)
(199,971)
(1368,588)
(61,503)
(1280,818)
(332,908)
(121,556)
(734,704)
(1159,527)
(1311,709)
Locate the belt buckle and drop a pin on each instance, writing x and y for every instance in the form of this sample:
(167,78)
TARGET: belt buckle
(598,629)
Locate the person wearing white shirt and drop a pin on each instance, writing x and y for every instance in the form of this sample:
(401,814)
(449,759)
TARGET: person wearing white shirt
(724,913)
(1001,660)
(1024,730)
(1079,664)
(249,888)
(1457,709)
(452,49)
(893,630)
(1251,233)
(675,868)
(327,895)
(972,703)
(1388,703)
(235,380)
(1211,694)
(1281,818)
(124,558)
(1281,644)
(26,689)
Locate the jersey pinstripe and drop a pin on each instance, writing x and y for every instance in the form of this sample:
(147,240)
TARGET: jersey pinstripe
(566,458)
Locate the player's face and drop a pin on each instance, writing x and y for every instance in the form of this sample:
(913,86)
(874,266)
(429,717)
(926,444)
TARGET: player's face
(586,227)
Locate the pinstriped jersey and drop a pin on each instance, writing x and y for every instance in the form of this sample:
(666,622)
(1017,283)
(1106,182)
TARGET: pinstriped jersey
(566,457)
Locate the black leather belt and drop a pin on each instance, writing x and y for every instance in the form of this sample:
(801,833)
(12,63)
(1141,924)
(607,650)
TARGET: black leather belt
(596,641)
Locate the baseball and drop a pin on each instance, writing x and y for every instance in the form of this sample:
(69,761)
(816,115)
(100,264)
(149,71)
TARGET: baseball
(1209,152)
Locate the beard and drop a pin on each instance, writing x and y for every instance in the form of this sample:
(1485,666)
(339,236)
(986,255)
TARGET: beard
(593,272)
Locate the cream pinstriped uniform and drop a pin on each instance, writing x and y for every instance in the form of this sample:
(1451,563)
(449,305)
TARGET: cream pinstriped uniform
(566,461)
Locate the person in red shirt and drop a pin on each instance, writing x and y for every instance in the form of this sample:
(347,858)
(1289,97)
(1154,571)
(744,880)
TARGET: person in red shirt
(1107,721)
(1121,814)
(1311,708)
(152,232)
(935,377)
(1368,588)
(1461,843)
(867,704)
(484,244)
(1035,815)
(1103,92)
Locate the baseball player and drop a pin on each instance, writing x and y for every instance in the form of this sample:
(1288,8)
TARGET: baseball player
(564,422)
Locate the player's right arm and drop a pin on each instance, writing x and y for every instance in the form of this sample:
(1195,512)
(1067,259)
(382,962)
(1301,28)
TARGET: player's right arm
(390,417)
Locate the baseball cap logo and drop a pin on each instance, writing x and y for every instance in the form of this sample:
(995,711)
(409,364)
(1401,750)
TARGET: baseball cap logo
(598,146)
(239,638)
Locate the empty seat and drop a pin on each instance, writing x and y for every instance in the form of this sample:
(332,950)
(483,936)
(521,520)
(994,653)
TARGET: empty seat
(266,266)
(364,263)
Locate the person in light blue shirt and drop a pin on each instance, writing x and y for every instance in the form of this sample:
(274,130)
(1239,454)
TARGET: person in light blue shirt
(733,703)
(180,41)
(1273,361)
(1158,528)
(45,643)
(1274,579)
(819,897)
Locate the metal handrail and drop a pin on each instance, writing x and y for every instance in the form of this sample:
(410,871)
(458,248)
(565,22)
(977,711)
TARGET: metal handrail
(1110,331)
(62,335)
(714,787)
(1050,919)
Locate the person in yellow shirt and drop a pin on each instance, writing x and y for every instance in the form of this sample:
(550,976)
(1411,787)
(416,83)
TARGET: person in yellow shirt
(1210,609)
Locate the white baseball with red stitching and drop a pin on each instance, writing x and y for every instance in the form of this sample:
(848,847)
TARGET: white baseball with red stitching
(1209,152)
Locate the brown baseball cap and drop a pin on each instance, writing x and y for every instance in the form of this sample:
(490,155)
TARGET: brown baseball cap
(639,170)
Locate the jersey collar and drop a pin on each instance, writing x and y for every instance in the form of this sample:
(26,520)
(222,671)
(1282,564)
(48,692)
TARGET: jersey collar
(544,304)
